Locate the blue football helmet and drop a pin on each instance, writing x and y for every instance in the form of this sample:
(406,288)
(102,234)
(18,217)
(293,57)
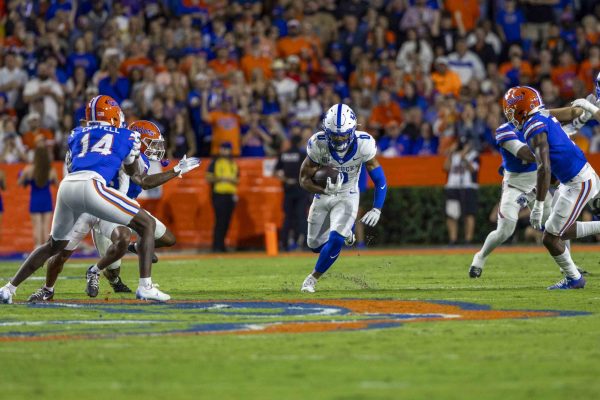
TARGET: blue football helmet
(339,125)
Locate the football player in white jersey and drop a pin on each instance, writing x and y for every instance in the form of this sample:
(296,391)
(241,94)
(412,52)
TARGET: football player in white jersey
(590,105)
(334,208)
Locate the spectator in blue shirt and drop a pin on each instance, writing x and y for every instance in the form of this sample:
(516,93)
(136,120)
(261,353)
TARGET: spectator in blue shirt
(394,143)
(509,20)
(427,143)
(114,85)
(81,58)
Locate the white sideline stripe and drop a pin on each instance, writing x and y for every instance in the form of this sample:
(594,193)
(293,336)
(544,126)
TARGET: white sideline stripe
(116,199)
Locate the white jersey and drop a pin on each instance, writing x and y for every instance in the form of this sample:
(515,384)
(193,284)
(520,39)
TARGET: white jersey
(348,164)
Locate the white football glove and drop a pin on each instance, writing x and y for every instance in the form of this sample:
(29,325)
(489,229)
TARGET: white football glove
(334,188)
(185,165)
(585,105)
(371,218)
(535,218)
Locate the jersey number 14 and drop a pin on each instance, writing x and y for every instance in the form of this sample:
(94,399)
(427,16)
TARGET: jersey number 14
(102,146)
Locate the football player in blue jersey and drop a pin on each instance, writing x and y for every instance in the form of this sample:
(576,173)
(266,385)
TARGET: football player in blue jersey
(556,155)
(518,184)
(97,153)
(112,240)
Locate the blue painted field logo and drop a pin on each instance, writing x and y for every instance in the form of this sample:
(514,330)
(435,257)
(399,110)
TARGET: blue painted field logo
(106,319)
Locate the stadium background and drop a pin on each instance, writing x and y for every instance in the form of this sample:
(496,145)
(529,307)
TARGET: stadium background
(421,76)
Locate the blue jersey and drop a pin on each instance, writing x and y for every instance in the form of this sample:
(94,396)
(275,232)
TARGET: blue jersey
(100,148)
(566,159)
(134,189)
(510,162)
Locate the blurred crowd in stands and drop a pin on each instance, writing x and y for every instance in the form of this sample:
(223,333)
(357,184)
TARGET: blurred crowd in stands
(420,74)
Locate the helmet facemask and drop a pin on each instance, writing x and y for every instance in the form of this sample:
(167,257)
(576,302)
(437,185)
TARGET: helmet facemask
(339,141)
(155,148)
(510,117)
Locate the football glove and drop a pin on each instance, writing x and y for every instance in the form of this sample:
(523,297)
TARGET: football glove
(334,188)
(135,150)
(535,218)
(585,105)
(185,165)
(371,218)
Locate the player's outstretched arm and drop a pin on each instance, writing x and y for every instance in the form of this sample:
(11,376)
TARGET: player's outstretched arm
(566,114)
(589,107)
(146,181)
(375,171)
(307,171)
(539,143)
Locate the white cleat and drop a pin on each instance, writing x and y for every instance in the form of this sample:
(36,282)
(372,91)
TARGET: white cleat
(5,295)
(350,240)
(308,286)
(151,293)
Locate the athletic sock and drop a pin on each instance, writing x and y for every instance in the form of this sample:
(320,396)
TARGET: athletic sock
(587,228)
(146,283)
(49,288)
(494,239)
(478,261)
(11,288)
(329,252)
(95,269)
(566,264)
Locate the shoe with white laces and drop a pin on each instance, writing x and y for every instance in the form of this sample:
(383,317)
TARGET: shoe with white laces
(5,295)
(309,284)
(350,240)
(151,293)
(92,282)
(41,295)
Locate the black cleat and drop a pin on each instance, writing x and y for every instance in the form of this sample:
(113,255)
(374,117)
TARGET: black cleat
(119,286)
(131,248)
(41,295)
(93,283)
(475,272)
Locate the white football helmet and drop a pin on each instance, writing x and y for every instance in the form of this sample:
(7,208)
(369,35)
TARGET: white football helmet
(339,125)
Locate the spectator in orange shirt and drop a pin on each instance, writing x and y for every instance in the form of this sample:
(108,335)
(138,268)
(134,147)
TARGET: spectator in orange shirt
(516,71)
(363,77)
(465,13)
(225,124)
(30,138)
(385,111)
(564,74)
(256,59)
(445,81)
(223,65)
(293,43)
(138,58)
(589,68)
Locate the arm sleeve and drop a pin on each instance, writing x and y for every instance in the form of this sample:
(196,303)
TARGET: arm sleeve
(513,146)
(378,178)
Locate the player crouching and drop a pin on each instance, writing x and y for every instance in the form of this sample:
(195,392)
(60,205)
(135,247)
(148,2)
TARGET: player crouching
(335,203)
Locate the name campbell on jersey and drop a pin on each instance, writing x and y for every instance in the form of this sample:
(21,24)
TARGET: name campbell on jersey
(362,149)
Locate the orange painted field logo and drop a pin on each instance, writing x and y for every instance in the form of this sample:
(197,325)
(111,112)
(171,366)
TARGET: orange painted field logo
(105,319)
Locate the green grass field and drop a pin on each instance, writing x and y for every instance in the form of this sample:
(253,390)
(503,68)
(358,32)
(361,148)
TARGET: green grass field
(127,353)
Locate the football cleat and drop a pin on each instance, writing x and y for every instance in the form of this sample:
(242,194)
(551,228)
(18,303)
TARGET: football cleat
(475,272)
(92,282)
(568,283)
(132,249)
(119,286)
(151,293)
(350,240)
(41,295)
(308,286)
(5,295)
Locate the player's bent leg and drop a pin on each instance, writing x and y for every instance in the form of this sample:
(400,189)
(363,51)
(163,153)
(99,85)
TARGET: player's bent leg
(562,256)
(144,224)
(111,251)
(163,237)
(34,262)
(53,269)
(329,254)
